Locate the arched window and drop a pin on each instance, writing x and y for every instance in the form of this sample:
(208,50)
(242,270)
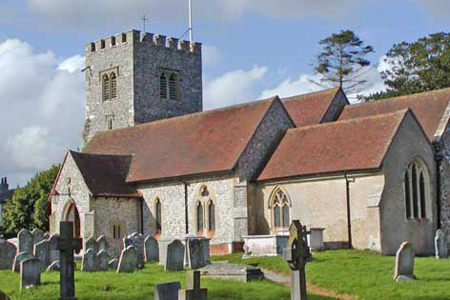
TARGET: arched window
(211,217)
(280,207)
(106,87)
(158,215)
(163,86)
(416,190)
(113,86)
(173,87)
(199,217)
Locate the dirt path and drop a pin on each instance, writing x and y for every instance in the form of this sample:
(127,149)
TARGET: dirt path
(283,279)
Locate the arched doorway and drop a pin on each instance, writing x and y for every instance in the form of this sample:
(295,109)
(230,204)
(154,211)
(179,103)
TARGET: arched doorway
(72,215)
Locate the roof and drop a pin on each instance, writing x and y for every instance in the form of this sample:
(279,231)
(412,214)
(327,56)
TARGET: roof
(309,109)
(207,142)
(352,145)
(428,107)
(105,175)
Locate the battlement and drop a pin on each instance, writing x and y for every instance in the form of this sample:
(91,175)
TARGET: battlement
(145,38)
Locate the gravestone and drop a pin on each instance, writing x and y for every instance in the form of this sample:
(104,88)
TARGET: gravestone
(404,263)
(7,254)
(30,273)
(25,241)
(102,261)
(167,291)
(42,252)
(136,240)
(38,235)
(440,244)
(113,263)
(20,257)
(193,290)
(89,262)
(197,253)
(91,243)
(53,248)
(175,256)
(54,267)
(151,249)
(103,244)
(67,244)
(297,254)
(127,261)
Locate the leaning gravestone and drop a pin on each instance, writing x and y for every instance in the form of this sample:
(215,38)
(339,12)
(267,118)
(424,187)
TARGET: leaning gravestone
(167,291)
(91,243)
(193,290)
(197,253)
(53,248)
(89,262)
(38,235)
(440,244)
(20,257)
(103,244)
(7,254)
(102,260)
(42,252)
(127,261)
(151,249)
(175,256)
(136,240)
(25,241)
(54,267)
(30,273)
(404,263)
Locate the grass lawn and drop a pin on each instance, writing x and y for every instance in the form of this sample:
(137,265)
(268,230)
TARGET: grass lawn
(366,275)
(139,285)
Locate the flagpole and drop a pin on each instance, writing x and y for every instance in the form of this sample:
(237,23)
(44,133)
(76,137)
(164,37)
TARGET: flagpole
(191,33)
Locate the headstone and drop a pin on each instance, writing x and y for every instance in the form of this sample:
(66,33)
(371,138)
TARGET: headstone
(137,240)
(175,256)
(440,244)
(67,244)
(25,241)
(20,257)
(7,254)
(193,290)
(103,244)
(113,263)
(167,291)
(127,261)
(38,235)
(91,243)
(30,273)
(54,267)
(102,260)
(89,262)
(151,249)
(42,252)
(404,263)
(3,296)
(53,248)
(197,253)
(296,255)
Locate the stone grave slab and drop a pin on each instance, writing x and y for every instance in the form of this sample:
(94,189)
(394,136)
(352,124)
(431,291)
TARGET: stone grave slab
(175,256)
(20,257)
(137,240)
(91,243)
(227,271)
(113,263)
(38,235)
(54,267)
(441,244)
(102,260)
(103,244)
(30,273)
(167,291)
(53,248)
(198,253)
(151,249)
(89,262)
(42,252)
(7,254)
(404,263)
(25,241)
(127,261)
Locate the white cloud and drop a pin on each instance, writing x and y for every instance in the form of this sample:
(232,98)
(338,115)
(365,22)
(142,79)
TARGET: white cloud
(41,108)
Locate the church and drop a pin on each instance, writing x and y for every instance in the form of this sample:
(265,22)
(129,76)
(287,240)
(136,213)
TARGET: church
(371,175)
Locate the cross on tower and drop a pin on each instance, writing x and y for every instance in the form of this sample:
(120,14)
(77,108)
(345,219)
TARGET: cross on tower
(144,19)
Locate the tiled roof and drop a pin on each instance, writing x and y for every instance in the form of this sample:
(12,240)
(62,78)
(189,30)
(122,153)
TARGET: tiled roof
(428,107)
(309,109)
(207,142)
(353,145)
(105,175)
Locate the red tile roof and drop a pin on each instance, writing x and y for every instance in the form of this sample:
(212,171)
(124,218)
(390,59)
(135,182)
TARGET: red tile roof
(207,142)
(428,107)
(105,175)
(309,109)
(353,145)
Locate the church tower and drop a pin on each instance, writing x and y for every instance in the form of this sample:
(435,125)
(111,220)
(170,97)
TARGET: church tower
(134,78)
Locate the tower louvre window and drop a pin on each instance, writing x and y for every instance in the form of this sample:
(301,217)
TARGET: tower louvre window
(169,84)
(163,86)
(113,86)
(109,84)
(173,87)
(106,87)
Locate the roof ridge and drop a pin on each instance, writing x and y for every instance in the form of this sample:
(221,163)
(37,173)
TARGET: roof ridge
(337,88)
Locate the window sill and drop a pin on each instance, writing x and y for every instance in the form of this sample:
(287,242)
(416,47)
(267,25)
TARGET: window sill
(418,220)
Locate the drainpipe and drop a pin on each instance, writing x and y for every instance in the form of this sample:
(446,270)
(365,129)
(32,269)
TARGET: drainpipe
(142,216)
(186,212)
(349,220)
(439,157)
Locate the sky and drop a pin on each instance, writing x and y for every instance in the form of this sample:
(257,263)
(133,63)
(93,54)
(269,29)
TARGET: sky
(252,49)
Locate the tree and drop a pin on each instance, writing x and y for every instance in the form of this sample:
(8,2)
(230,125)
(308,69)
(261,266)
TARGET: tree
(29,207)
(342,60)
(423,65)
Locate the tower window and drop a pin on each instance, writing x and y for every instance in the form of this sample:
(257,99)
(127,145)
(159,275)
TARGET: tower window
(113,86)
(109,84)
(163,86)
(173,87)
(106,87)
(169,85)
(416,190)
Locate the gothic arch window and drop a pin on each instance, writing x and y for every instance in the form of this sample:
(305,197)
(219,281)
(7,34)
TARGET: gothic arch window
(109,84)
(158,216)
(106,87)
(280,208)
(416,188)
(211,216)
(169,85)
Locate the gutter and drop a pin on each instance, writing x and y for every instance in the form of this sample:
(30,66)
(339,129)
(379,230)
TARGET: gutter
(349,219)
(186,212)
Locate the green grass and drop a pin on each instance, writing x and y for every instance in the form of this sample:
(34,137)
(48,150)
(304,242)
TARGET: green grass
(139,285)
(366,274)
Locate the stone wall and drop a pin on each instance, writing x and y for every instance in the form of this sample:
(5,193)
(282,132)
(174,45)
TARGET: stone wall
(336,107)
(445,179)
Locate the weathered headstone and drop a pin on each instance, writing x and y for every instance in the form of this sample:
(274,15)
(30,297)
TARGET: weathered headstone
(102,261)
(25,241)
(441,244)
(167,291)
(67,244)
(103,244)
(404,263)
(7,254)
(151,249)
(137,240)
(53,248)
(54,267)
(175,256)
(197,253)
(30,273)
(38,235)
(91,243)
(193,290)
(42,252)
(127,261)
(20,257)
(113,263)
(89,262)
(297,254)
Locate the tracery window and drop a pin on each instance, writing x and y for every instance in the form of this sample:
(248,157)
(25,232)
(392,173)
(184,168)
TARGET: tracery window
(280,207)
(416,190)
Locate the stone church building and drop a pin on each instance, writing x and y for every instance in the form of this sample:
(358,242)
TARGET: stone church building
(371,175)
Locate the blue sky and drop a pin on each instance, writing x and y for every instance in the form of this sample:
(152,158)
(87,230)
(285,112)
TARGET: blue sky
(252,49)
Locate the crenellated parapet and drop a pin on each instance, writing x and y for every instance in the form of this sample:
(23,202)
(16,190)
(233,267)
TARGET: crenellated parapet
(144,38)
